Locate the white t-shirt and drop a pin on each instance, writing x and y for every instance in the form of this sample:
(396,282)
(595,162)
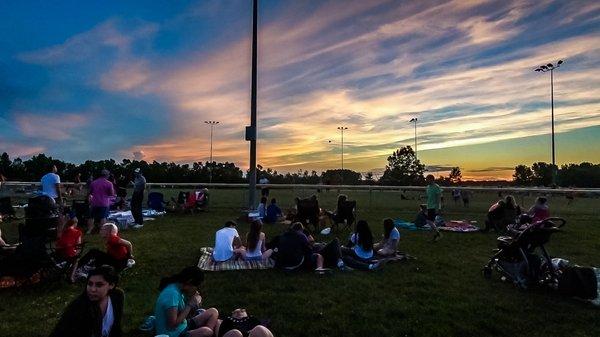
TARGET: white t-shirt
(262,210)
(108,319)
(49,182)
(224,243)
(263,181)
(358,250)
(395,234)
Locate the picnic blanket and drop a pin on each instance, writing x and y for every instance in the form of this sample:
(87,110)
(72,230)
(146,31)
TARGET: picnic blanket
(13,281)
(461,226)
(206,263)
(410,226)
(121,219)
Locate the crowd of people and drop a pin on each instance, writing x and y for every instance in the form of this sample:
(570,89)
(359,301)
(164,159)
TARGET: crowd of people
(178,309)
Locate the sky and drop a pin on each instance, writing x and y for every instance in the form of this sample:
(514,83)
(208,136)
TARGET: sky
(137,79)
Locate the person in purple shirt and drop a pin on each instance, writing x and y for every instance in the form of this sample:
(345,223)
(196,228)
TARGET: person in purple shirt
(101,193)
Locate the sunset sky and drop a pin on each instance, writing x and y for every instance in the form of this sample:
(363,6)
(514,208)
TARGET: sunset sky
(137,79)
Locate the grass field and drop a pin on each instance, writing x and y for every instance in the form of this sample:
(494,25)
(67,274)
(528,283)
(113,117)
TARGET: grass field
(441,293)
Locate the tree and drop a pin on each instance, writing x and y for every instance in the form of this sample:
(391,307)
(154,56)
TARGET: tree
(523,175)
(455,176)
(403,168)
(542,173)
(369,180)
(338,176)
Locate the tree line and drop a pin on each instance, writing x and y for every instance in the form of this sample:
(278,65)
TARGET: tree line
(403,169)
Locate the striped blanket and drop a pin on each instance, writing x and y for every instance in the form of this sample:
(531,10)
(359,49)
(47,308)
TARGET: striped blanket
(461,226)
(206,263)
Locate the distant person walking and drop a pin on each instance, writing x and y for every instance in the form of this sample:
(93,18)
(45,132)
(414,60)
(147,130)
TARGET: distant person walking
(434,204)
(466,197)
(139,185)
(101,192)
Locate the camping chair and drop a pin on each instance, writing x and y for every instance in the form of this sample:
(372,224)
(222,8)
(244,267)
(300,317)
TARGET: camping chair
(81,209)
(345,215)
(6,208)
(156,201)
(308,212)
(181,200)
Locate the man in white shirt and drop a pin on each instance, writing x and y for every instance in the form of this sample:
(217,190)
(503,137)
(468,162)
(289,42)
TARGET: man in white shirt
(51,185)
(265,190)
(227,243)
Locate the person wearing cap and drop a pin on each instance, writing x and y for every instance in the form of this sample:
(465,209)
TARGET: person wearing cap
(101,193)
(139,185)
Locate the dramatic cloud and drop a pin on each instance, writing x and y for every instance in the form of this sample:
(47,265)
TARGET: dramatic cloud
(464,68)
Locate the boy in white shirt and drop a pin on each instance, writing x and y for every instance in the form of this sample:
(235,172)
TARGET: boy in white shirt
(227,243)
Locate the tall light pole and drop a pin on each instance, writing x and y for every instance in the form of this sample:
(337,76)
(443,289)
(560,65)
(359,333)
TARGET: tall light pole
(342,128)
(415,121)
(545,68)
(251,131)
(212,124)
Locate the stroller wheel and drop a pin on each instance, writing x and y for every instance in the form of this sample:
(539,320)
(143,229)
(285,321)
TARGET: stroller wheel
(487,272)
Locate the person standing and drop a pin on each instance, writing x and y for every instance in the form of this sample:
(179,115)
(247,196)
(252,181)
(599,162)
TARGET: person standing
(434,204)
(139,185)
(101,192)
(51,185)
(264,190)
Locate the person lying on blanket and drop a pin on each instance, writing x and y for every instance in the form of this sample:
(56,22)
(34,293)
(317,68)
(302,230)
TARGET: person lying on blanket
(178,297)
(255,243)
(239,324)
(391,237)
(228,245)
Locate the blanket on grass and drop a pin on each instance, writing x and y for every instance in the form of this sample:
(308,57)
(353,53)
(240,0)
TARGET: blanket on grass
(461,226)
(410,226)
(206,263)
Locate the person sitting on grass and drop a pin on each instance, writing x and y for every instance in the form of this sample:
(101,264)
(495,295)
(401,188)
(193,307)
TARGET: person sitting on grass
(239,324)
(255,243)
(98,311)
(228,245)
(68,243)
(359,253)
(421,219)
(502,214)
(391,237)
(177,299)
(118,251)
(273,213)
(540,210)
(262,208)
(293,251)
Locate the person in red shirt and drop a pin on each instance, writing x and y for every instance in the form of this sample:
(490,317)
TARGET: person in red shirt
(118,253)
(69,240)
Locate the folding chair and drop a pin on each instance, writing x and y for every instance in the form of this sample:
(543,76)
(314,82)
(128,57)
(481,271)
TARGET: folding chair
(308,212)
(346,215)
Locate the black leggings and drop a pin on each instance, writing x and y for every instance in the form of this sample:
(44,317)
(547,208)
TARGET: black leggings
(100,258)
(354,261)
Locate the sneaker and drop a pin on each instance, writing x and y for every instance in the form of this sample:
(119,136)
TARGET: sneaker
(130,263)
(377,265)
(136,226)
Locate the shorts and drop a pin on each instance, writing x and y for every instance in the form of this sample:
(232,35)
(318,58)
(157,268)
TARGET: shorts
(431,213)
(99,213)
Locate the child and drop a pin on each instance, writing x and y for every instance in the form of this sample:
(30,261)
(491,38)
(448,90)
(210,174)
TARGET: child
(434,204)
(391,237)
(273,213)
(69,239)
(119,252)
(540,210)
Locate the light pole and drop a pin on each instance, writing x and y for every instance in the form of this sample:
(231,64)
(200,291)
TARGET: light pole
(342,128)
(212,124)
(251,130)
(415,121)
(545,68)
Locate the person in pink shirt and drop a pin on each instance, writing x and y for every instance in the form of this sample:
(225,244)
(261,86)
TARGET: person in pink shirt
(540,211)
(101,193)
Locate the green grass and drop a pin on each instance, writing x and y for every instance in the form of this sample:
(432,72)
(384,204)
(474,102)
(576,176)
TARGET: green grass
(442,293)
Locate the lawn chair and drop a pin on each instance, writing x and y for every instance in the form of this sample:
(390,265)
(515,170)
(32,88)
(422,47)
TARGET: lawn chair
(156,201)
(345,216)
(181,200)
(6,208)
(308,212)
(81,209)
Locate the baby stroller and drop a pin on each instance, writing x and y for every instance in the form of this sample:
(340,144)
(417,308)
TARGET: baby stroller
(517,258)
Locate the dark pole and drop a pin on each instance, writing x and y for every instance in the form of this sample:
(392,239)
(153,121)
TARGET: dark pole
(552,104)
(211,160)
(252,177)
(415,137)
